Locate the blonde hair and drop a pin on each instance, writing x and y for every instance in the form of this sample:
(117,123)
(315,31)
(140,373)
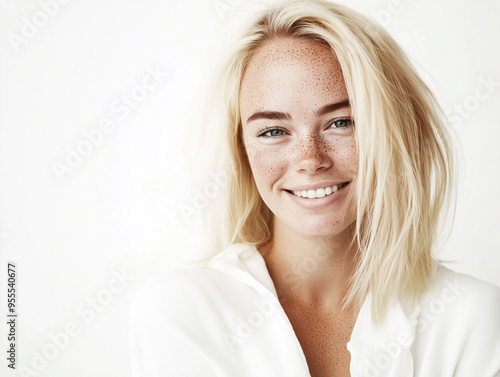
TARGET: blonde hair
(405,172)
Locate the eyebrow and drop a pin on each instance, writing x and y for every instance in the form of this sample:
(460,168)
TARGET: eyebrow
(332,107)
(277,115)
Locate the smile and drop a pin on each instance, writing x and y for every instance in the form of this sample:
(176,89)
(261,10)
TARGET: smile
(319,193)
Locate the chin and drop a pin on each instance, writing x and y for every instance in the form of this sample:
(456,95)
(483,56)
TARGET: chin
(322,227)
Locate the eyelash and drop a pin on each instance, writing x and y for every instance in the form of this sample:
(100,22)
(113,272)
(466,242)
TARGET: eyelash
(262,132)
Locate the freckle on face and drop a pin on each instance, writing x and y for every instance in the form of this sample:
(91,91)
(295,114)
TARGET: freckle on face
(298,76)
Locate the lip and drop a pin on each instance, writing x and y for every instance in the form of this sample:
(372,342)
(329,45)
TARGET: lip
(316,186)
(318,203)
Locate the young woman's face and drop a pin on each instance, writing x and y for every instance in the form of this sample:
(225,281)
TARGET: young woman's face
(299,136)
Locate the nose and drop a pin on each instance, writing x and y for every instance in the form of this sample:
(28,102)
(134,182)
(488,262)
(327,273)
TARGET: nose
(312,154)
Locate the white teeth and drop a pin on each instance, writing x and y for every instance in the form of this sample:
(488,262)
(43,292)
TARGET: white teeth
(319,193)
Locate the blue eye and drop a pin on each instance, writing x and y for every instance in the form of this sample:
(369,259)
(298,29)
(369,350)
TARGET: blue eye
(272,132)
(341,123)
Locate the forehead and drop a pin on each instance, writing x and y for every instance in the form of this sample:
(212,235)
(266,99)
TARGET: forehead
(290,70)
(280,50)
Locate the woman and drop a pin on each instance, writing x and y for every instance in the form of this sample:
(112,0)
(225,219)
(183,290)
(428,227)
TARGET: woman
(341,172)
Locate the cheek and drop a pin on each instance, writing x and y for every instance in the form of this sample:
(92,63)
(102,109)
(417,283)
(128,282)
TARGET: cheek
(267,165)
(347,154)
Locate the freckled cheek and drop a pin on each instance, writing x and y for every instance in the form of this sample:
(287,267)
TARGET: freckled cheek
(267,166)
(345,153)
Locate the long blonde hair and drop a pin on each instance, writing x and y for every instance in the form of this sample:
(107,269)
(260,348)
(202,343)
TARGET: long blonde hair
(405,172)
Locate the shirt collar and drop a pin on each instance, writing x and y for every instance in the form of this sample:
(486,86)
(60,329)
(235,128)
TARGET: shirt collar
(381,351)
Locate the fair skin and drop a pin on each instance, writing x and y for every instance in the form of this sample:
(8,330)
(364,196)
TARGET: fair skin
(298,134)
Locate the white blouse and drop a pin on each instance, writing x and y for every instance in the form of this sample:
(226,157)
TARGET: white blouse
(224,319)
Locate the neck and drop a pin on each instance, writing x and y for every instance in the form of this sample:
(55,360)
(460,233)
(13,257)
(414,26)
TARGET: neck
(310,270)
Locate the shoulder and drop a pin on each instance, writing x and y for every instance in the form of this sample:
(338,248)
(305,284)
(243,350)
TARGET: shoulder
(166,324)
(458,325)
(219,284)
(190,315)
(455,298)
(472,297)
(178,308)
(175,282)
(178,290)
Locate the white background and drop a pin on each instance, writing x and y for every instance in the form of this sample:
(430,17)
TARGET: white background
(117,211)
